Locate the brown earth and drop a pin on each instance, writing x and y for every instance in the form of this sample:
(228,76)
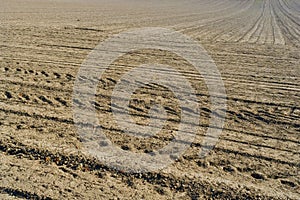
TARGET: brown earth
(255,45)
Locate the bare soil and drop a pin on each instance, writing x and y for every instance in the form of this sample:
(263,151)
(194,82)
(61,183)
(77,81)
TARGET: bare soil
(255,45)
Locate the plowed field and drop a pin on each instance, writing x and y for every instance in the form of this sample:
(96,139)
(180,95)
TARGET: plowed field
(256,47)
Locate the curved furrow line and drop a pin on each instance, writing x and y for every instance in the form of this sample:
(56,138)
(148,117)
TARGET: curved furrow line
(266,29)
(267,34)
(293,23)
(259,36)
(248,26)
(202,12)
(288,34)
(271,33)
(226,28)
(278,36)
(210,5)
(249,34)
(287,9)
(295,4)
(203,9)
(222,15)
(289,24)
(238,25)
(221,7)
